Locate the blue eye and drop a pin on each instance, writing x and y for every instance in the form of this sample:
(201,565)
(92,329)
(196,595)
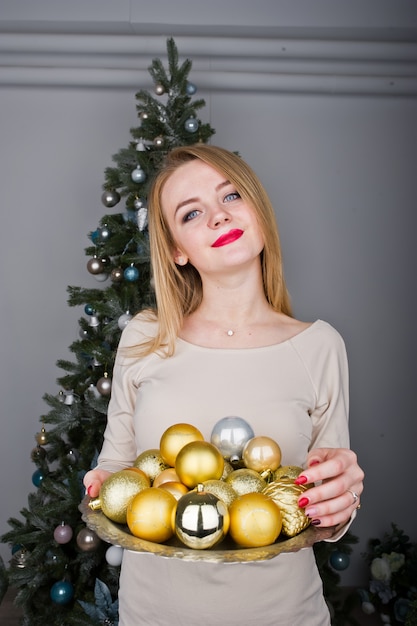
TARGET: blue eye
(190,216)
(231,196)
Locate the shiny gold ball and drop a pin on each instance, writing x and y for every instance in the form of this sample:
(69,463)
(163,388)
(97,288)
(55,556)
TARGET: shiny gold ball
(42,437)
(149,514)
(253,521)
(176,437)
(261,454)
(201,520)
(285,493)
(287,471)
(199,461)
(150,462)
(246,481)
(221,489)
(167,475)
(177,489)
(116,492)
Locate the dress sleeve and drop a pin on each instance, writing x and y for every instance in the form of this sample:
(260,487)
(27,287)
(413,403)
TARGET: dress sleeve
(119,446)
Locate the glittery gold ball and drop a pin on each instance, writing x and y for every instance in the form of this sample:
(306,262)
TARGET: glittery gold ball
(151,462)
(255,520)
(245,481)
(176,437)
(116,492)
(221,489)
(261,454)
(285,493)
(287,471)
(199,461)
(149,514)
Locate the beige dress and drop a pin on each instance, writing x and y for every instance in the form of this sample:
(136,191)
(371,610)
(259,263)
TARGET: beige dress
(295,392)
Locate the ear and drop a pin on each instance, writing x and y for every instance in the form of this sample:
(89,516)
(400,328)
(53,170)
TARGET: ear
(180,258)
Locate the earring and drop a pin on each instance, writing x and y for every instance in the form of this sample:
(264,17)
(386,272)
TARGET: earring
(180,261)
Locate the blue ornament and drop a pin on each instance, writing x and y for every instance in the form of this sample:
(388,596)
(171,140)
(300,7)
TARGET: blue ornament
(88,309)
(339,561)
(131,273)
(191,89)
(37,478)
(62,592)
(94,236)
(104,233)
(191,125)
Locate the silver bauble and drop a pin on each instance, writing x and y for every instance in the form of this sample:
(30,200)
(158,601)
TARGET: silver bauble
(230,435)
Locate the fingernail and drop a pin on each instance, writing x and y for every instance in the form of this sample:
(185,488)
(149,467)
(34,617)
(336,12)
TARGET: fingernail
(314,463)
(89,490)
(302,502)
(301,480)
(311,511)
(316,522)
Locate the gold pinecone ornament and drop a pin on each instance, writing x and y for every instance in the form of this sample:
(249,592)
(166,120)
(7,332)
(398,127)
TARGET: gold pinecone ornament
(285,493)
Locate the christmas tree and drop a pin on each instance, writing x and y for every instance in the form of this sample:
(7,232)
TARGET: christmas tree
(63,572)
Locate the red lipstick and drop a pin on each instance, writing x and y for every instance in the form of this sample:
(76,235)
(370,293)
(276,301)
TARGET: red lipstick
(227,238)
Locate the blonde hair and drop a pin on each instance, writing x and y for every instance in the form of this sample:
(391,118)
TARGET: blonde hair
(179,290)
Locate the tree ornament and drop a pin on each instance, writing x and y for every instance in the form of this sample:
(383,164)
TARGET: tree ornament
(101,277)
(138,203)
(89,310)
(245,480)
(167,475)
(37,477)
(191,125)
(117,490)
(221,489)
(124,320)
(190,88)
(143,115)
(285,493)
(88,540)
(62,592)
(198,461)
(110,198)
(159,89)
(263,455)
(42,437)
(150,462)
(72,457)
(158,142)
(176,437)
(63,533)
(104,385)
(255,520)
(230,435)
(131,273)
(177,489)
(149,514)
(116,275)
(339,560)
(201,519)
(69,397)
(142,218)
(20,558)
(94,322)
(38,454)
(114,556)
(140,146)
(138,175)
(95,266)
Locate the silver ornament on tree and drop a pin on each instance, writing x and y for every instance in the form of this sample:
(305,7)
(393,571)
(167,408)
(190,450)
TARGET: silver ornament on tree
(140,146)
(191,125)
(137,203)
(190,89)
(116,275)
(95,265)
(142,218)
(104,385)
(87,540)
(123,320)
(158,142)
(94,322)
(159,89)
(110,198)
(138,175)
(103,233)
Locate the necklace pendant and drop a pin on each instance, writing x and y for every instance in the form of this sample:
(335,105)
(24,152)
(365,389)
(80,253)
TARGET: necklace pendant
(230,333)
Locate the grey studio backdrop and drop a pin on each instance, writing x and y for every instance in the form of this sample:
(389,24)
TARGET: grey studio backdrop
(318,96)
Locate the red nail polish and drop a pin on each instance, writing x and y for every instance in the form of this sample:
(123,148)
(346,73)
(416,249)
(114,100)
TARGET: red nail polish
(316,522)
(301,480)
(302,502)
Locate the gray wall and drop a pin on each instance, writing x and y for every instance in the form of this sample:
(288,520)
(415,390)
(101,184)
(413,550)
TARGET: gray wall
(339,164)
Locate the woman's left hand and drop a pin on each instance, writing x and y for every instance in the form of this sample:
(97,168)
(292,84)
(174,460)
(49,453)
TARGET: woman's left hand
(337,486)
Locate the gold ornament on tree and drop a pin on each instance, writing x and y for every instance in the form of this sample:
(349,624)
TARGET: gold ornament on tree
(285,493)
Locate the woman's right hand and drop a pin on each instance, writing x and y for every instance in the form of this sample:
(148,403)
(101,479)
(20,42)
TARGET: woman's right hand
(93,481)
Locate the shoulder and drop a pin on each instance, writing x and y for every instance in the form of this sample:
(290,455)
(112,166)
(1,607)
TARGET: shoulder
(320,336)
(141,328)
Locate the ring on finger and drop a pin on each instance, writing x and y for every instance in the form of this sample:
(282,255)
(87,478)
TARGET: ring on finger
(355,497)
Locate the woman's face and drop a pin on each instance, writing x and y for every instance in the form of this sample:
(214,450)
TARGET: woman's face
(213,228)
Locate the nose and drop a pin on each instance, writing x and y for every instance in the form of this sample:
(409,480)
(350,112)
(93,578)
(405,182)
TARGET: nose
(218,217)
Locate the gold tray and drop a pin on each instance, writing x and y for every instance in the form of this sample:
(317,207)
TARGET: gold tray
(226,552)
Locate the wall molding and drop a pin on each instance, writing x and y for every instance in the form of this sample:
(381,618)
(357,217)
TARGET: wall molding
(227,64)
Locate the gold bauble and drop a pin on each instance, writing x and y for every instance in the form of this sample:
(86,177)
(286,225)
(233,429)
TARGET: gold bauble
(262,454)
(149,514)
(285,493)
(287,471)
(116,492)
(201,519)
(42,437)
(151,462)
(245,481)
(199,461)
(228,469)
(221,489)
(168,475)
(176,437)
(253,521)
(177,489)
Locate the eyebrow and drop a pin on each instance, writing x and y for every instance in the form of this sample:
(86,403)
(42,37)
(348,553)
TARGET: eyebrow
(195,198)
